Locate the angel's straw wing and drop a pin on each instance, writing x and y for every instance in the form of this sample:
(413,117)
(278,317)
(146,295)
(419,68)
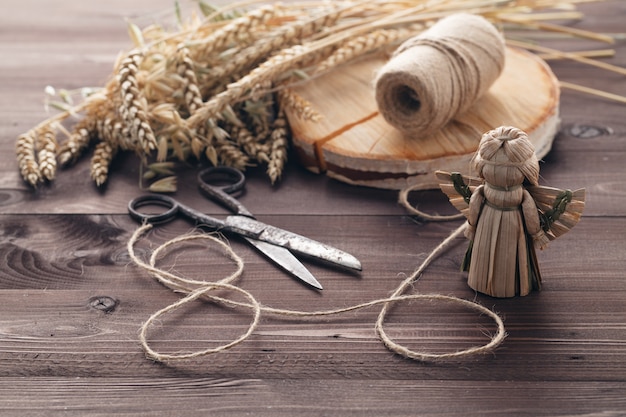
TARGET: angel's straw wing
(458,188)
(559,210)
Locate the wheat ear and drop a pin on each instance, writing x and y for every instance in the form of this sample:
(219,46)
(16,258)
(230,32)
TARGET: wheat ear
(133,107)
(26,158)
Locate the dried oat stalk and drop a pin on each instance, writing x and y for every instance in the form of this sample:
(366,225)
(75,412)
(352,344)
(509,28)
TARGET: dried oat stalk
(215,89)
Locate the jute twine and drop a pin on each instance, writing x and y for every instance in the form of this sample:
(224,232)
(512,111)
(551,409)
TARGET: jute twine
(439,74)
(201,289)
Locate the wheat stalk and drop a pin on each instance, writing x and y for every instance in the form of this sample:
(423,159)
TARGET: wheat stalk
(46,156)
(133,107)
(361,45)
(230,154)
(283,37)
(78,141)
(299,106)
(238,32)
(102,157)
(278,151)
(26,158)
(191,88)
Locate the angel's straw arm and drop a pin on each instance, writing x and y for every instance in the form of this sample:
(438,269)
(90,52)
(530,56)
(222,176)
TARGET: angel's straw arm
(476,203)
(533,225)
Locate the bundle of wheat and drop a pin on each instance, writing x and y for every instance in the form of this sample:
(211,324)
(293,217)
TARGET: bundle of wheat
(215,89)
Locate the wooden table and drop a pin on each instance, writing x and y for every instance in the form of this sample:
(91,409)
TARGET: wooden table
(72,303)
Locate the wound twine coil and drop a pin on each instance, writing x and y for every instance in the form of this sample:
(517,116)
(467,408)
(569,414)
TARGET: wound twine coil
(439,74)
(201,289)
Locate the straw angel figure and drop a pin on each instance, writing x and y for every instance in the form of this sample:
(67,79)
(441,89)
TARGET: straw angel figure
(508,213)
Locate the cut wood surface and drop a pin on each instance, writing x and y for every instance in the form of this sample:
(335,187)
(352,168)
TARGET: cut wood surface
(72,302)
(353,142)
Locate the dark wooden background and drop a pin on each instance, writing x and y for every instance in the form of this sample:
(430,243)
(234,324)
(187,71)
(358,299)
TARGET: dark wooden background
(63,246)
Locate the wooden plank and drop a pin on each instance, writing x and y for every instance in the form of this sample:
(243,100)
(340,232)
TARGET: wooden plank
(563,347)
(596,164)
(202,395)
(49,329)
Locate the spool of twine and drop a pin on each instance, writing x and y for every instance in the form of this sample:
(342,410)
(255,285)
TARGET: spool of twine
(438,74)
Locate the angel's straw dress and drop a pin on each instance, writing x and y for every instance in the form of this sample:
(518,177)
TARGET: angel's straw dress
(502,260)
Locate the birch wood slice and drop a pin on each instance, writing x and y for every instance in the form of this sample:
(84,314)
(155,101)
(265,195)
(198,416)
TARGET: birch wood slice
(353,143)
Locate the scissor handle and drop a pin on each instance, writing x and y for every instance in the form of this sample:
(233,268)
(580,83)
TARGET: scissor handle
(217,183)
(169,203)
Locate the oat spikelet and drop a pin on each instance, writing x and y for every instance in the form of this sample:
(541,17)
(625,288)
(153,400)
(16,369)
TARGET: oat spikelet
(301,107)
(100,162)
(185,69)
(238,30)
(133,107)
(173,134)
(202,139)
(197,146)
(258,112)
(26,158)
(46,155)
(278,151)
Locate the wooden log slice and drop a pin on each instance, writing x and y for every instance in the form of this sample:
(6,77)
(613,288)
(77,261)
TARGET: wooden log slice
(353,143)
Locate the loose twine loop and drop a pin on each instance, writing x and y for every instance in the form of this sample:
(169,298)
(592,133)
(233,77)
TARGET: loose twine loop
(195,289)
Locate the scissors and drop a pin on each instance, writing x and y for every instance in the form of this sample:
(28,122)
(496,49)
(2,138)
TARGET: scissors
(217,184)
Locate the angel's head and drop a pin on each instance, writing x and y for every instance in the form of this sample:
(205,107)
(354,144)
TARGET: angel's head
(505,157)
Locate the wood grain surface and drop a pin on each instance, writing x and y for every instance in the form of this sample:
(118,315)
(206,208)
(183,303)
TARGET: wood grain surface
(71,301)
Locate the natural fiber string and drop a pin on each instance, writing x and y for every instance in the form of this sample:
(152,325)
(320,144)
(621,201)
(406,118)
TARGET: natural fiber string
(402,350)
(180,284)
(200,290)
(438,74)
(403,199)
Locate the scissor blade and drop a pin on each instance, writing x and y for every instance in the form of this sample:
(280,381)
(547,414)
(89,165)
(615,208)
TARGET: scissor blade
(294,242)
(285,259)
